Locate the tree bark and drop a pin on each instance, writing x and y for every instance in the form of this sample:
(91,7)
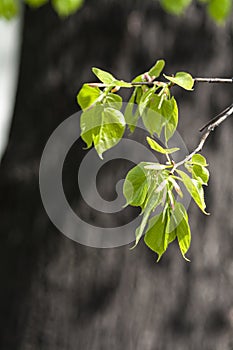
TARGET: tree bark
(57,294)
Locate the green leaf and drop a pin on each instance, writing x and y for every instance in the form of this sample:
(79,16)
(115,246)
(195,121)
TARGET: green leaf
(136,185)
(154,199)
(197,167)
(183,79)
(152,117)
(155,118)
(219,10)
(67,7)
(102,126)
(176,7)
(171,118)
(155,146)
(113,101)
(179,227)
(200,173)
(35,3)
(165,227)
(198,159)
(145,98)
(103,76)
(156,237)
(88,96)
(153,72)
(176,216)
(195,189)
(9,8)
(184,236)
(131,112)
(156,70)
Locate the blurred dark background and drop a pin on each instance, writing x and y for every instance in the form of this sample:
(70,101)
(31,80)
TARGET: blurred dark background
(59,295)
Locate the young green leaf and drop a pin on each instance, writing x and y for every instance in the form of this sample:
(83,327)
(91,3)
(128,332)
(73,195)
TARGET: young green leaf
(179,227)
(171,119)
(113,101)
(200,173)
(156,117)
(136,185)
(154,199)
(156,237)
(195,189)
(156,70)
(131,112)
(155,146)
(176,216)
(184,237)
(152,117)
(183,79)
(103,76)
(153,72)
(165,227)
(88,96)
(198,159)
(102,126)
(145,98)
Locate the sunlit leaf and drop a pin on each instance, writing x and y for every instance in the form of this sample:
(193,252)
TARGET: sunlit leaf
(102,126)
(113,101)
(171,119)
(136,185)
(87,96)
(156,70)
(183,79)
(131,111)
(103,76)
(198,159)
(67,7)
(156,237)
(195,189)
(155,146)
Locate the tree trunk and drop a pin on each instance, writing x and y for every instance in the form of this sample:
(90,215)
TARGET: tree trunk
(58,294)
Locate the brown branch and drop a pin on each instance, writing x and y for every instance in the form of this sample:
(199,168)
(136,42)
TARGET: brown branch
(214,123)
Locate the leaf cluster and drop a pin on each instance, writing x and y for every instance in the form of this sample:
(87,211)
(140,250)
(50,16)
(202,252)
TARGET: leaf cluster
(154,187)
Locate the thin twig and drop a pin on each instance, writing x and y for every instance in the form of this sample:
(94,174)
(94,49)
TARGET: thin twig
(213,80)
(214,123)
(217,117)
(162,84)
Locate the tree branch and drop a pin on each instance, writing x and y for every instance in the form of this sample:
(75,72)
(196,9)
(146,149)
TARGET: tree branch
(162,84)
(214,123)
(213,80)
